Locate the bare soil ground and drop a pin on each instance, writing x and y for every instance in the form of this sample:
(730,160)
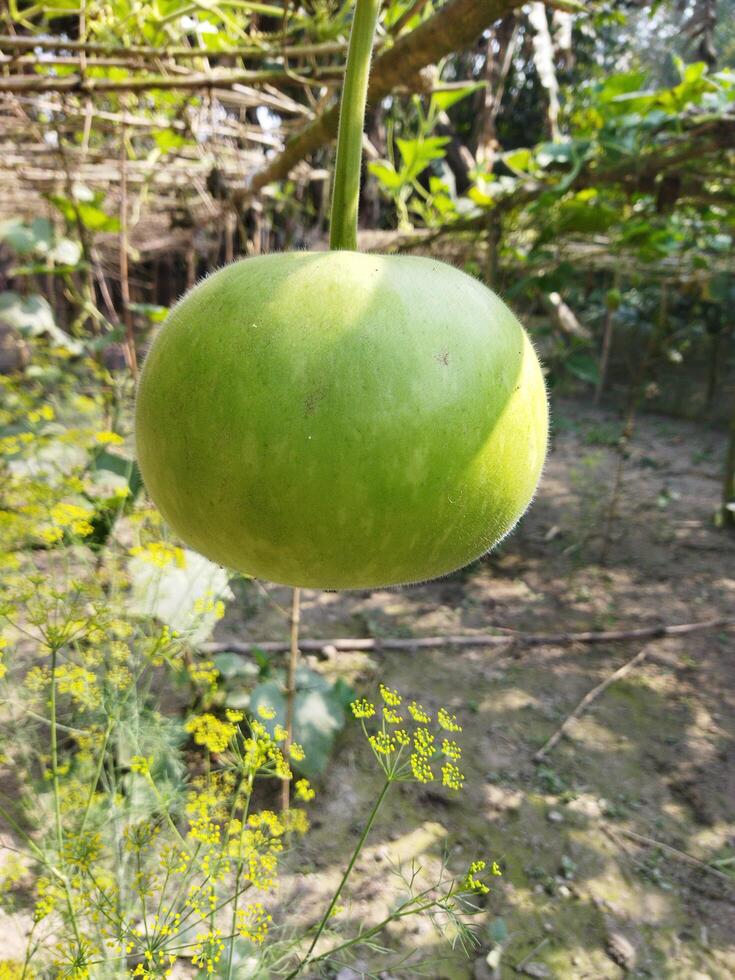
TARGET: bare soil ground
(654,755)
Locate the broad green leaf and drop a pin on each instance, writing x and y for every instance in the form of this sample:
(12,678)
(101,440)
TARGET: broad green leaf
(182,594)
(617,85)
(233,665)
(121,466)
(319,714)
(27,239)
(518,160)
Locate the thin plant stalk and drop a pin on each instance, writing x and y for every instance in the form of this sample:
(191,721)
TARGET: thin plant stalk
(348,871)
(55,784)
(293,661)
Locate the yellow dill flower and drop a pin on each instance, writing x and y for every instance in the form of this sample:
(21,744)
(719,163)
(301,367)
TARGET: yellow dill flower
(208,950)
(423,742)
(383,743)
(473,884)
(418,714)
(279,733)
(421,769)
(391,698)
(267,819)
(81,528)
(451,750)
(452,777)
(266,712)
(296,752)
(362,708)
(280,766)
(253,922)
(295,821)
(496,869)
(15,970)
(79,683)
(204,830)
(141,764)
(51,534)
(204,673)
(234,716)
(70,517)
(210,732)
(304,791)
(254,754)
(392,717)
(448,722)
(160,554)
(80,853)
(107,438)
(259,730)
(72,960)
(45,412)
(402,737)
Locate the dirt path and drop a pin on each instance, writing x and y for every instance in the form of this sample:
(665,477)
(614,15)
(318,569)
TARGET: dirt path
(654,755)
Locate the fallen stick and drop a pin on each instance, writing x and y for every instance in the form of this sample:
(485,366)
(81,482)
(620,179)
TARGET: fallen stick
(587,700)
(675,852)
(472,640)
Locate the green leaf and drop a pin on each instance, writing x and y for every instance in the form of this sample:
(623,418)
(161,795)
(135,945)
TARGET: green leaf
(90,213)
(419,153)
(617,85)
(518,160)
(27,239)
(155,313)
(168,139)
(319,714)
(386,174)
(445,100)
(233,665)
(121,466)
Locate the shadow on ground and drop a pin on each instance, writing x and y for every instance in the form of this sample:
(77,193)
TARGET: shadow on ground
(652,757)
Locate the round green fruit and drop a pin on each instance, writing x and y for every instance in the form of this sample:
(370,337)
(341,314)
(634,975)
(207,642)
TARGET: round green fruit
(341,420)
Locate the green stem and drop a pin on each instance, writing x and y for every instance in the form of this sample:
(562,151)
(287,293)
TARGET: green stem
(57,798)
(238,876)
(346,192)
(97,774)
(345,876)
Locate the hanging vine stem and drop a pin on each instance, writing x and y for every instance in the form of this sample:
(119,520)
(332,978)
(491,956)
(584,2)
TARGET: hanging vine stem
(346,188)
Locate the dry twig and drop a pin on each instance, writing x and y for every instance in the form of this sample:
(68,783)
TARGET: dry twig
(587,700)
(508,638)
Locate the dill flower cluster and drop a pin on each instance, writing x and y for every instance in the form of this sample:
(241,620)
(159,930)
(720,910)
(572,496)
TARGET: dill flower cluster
(410,744)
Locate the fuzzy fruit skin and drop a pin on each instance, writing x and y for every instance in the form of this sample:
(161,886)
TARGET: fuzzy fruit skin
(341,420)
